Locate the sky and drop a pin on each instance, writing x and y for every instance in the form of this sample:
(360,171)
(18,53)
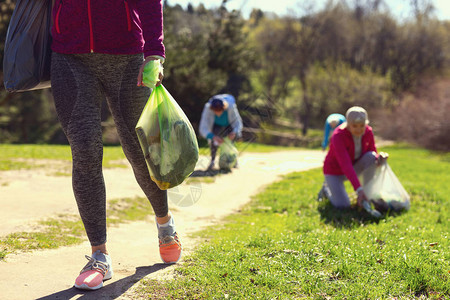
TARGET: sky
(400,8)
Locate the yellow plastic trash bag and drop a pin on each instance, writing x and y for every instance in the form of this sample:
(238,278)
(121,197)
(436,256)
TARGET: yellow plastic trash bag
(167,139)
(228,155)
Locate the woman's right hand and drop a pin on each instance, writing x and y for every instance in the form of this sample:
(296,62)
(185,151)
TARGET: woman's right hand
(218,140)
(141,72)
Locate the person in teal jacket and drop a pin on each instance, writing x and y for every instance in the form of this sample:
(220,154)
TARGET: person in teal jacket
(333,121)
(220,118)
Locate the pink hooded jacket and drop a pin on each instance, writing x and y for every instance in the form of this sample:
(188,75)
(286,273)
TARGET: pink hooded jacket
(108,26)
(340,157)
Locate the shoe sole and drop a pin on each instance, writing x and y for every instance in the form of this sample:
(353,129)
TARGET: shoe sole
(84,286)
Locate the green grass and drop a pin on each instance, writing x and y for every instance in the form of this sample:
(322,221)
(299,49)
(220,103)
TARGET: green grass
(15,157)
(66,230)
(193,180)
(61,231)
(261,148)
(285,245)
(23,157)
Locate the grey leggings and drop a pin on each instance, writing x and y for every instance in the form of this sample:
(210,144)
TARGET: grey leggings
(335,183)
(80,82)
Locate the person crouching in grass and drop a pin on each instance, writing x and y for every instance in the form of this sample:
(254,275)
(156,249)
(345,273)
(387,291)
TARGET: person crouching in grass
(352,150)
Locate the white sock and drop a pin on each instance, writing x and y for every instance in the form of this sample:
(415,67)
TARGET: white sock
(167,228)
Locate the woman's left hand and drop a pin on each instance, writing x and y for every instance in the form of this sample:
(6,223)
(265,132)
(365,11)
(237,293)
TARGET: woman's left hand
(141,71)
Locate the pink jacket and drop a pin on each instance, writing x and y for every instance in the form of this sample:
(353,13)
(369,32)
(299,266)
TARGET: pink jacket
(108,26)
(340,157)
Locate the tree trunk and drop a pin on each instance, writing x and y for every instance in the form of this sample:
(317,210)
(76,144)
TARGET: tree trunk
(306,105)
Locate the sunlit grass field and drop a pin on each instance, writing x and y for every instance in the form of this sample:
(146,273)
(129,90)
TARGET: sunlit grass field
(286,245)
(15,157)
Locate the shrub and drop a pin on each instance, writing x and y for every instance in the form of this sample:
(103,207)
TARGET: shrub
(420,117)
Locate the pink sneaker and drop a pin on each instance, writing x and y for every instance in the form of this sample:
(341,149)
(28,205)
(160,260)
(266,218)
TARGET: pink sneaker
(170,249)
(97,270)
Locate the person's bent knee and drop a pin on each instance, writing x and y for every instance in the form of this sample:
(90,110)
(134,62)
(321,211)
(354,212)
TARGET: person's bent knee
(370,156)
(367,160)
(341,205)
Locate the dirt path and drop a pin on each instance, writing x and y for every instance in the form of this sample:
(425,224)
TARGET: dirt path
(28,196)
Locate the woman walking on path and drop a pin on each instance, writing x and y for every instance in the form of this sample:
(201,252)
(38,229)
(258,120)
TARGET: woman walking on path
(99,51)
(352,150)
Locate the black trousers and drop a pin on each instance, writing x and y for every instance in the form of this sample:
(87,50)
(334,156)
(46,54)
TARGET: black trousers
(221,131)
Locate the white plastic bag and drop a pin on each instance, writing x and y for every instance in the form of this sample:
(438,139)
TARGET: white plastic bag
(228,154)
(385,191)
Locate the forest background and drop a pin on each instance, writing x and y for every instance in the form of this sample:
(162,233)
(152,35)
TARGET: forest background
(288,73)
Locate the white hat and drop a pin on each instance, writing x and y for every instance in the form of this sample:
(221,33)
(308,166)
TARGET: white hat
(357,114)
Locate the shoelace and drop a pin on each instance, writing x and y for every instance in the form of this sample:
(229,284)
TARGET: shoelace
(96,265)
(168,239)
